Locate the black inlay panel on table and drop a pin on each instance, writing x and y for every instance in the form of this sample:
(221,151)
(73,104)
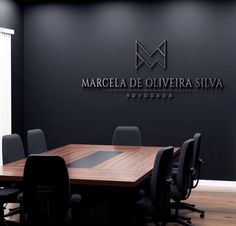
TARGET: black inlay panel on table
(93,159)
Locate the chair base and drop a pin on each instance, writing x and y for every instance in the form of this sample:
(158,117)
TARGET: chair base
(176,218)
(192,208)
(180,220)
(169,219)
(13,212)
(4,222)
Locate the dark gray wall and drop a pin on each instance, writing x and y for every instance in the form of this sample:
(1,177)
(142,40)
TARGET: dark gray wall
(65,42)
(11,16)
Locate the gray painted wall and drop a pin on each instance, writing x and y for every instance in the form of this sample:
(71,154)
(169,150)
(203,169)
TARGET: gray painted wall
(64,42)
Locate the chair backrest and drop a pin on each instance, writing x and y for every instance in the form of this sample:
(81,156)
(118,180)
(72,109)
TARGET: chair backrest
(197,144)
(160,186)
(46,190)
(36,141)
(184,174)
(12,148)
(127,135)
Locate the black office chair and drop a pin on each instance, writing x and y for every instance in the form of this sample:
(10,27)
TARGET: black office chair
(196,160)
(12,150)
(181,188)
(36,141)
(197,164)
(46,192)
(127,135)
(156,206)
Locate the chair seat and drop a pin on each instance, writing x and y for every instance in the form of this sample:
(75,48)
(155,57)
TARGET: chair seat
(8,194)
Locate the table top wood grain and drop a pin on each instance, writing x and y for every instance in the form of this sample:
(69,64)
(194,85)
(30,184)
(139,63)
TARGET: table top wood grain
(127,169)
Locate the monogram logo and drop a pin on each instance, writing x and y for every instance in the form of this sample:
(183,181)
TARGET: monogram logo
(150,59)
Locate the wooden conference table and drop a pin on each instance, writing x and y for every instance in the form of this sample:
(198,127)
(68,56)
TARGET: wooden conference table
(100,165)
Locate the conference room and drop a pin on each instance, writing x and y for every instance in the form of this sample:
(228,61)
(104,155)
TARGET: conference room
(117,113)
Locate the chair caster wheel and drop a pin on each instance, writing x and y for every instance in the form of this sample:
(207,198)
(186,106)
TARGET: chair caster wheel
(202,215)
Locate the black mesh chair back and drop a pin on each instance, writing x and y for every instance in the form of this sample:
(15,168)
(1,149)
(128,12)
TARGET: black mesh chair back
(46,192)
(12,148)
(184,175)
(127,135)
(160,181)
(36,141)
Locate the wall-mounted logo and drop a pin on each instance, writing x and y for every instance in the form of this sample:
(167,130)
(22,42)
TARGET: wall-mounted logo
(150,59)
(151,85)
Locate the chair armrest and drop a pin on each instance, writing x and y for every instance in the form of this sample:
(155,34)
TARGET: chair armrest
(192,171)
